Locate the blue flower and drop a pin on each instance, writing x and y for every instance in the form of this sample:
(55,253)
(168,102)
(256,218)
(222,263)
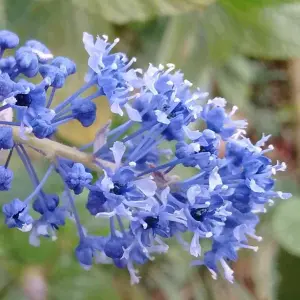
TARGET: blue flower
(219,121)
(27,61)
(56,75)
(143,201)
(7,64)
(16,215)
(6,137)
(95,201)
(77,178)
(6,86)
(90,248)
(41,128)
(39,119)
(84,111)
(114,247)
(47,224)
(192,154)
(222,251)
(6,177)
(65,64)
(37,97)
(8,39)
(42,52)
(46,202)
(114,77)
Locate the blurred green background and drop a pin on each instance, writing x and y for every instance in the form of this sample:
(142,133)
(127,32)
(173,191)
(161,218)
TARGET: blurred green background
(247,51)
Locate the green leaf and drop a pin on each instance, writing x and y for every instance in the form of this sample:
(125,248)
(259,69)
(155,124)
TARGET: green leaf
(246,4)
(286,226)
(94,285)
(175,45)
(264,272)
(57,23)
(269,33)
(235,79)
(288,267)
(119,11)
(198,42)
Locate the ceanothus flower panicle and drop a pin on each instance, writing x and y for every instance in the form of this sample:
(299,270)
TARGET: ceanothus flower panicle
(129,177)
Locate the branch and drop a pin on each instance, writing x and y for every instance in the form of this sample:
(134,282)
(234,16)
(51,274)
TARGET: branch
(53,149)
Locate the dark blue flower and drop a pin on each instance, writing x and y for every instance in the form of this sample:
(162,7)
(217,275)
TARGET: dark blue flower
(95,202)
(114,247)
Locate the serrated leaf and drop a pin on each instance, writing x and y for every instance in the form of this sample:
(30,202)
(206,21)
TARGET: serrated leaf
(286,226)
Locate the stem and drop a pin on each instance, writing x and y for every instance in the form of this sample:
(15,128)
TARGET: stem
(120,129)
(54,149)
(137,132)
(51,97)
(112,226)
(63,121)
(40,186)
(121,225)
(75,95)
(72,204)
(5,106)
(172,163)
(149,136)
(9,157)
(10,123)
(28,168)
(31,171)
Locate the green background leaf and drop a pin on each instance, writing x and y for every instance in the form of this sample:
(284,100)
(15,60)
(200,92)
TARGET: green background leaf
(286,224)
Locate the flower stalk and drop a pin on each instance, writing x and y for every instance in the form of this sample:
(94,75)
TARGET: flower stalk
(52,149)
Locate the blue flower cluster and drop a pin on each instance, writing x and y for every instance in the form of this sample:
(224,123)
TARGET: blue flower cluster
(138,193)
